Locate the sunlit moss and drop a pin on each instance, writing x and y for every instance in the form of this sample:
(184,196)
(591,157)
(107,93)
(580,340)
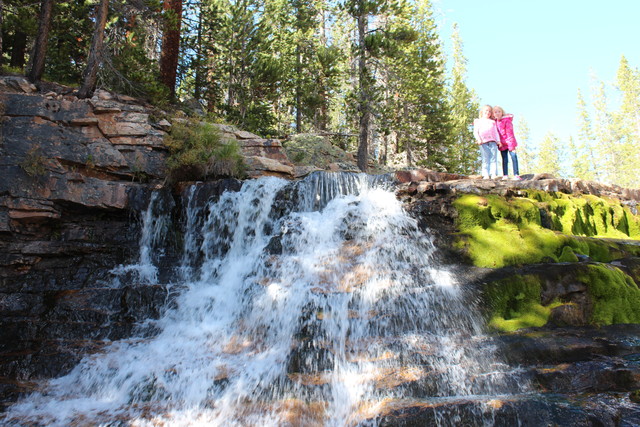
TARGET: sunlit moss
(515,303)
(614,294)
(588,215)
(496,232)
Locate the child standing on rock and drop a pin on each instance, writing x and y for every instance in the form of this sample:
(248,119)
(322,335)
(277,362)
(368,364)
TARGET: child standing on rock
(508,145)
(487,137)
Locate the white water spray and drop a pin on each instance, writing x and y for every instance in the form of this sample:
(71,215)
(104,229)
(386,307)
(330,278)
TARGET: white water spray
(316,312)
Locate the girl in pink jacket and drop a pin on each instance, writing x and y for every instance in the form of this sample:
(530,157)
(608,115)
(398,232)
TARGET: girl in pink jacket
(508,142)
(487,137)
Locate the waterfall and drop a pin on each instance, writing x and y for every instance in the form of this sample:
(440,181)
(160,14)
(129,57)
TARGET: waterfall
(311,303)
(155,223)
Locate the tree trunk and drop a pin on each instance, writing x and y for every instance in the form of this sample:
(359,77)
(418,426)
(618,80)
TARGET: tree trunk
(298,89)
(365,108)
(1,22)
(40,48)
(90,74)
(171,45)
(18,49)
(198,83)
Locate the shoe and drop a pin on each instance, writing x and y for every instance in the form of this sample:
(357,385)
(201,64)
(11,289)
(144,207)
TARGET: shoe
(517,178)
(494,176)
(505,177)
(485,176)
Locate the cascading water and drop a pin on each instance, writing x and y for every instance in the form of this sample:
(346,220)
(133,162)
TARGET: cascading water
(154,230)
(320,309)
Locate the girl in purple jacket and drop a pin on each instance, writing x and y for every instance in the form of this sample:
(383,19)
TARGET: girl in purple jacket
(508,142)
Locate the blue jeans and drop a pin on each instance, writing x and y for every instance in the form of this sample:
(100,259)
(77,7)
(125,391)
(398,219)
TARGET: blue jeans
(505,162)
(489,154)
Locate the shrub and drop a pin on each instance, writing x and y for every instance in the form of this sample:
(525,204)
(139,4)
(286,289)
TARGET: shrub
(198,151)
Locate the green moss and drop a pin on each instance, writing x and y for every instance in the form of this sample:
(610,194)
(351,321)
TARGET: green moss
(496,232)
(515,303)
(568,255)
(614,294)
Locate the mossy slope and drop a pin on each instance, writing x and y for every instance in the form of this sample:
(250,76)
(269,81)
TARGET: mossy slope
(495,231)
(534,227)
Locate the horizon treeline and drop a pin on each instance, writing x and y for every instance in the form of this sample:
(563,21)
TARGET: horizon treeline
(607,146)
(369,74)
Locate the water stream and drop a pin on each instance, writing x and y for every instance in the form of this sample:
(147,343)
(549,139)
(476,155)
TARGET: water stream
(317,303)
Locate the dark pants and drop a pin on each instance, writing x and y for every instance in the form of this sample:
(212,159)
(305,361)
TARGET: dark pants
(505,162)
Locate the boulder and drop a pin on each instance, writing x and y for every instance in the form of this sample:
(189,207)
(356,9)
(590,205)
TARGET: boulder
(261,166)
(17,83)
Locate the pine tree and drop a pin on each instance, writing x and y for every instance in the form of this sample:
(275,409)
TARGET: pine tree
(549,156)
(362,11)
(628,83)
(416,110)
(627,124)
(20,24)
(583,151)
(607,148)
(464,108)
(526,156)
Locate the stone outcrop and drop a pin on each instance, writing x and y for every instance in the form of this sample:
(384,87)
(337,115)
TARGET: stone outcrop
(428,183)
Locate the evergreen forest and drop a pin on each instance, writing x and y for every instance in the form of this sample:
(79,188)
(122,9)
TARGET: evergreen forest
(369,75)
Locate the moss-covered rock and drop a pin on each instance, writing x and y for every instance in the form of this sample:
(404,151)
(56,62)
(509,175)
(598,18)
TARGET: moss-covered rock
(615,296)
(568,255)
(495,231)
(515,303)
(577,295)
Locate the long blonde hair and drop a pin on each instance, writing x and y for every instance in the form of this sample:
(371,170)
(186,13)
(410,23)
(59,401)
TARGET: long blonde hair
(501,109)
(484,107)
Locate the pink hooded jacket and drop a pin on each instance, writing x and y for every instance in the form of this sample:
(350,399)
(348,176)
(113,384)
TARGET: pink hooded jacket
(505,129)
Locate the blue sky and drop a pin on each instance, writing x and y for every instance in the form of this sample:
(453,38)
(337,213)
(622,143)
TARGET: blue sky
(532,56)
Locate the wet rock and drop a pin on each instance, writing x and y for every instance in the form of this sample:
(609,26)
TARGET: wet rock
(568,315)
(417,175)
(569,344)
(606,374)
(498,412)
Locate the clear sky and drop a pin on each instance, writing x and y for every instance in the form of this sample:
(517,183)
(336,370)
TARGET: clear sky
(532,56)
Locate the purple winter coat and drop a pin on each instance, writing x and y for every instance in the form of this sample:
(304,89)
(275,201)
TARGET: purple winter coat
(505,129)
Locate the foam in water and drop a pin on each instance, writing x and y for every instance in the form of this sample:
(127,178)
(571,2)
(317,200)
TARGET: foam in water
(318,312)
